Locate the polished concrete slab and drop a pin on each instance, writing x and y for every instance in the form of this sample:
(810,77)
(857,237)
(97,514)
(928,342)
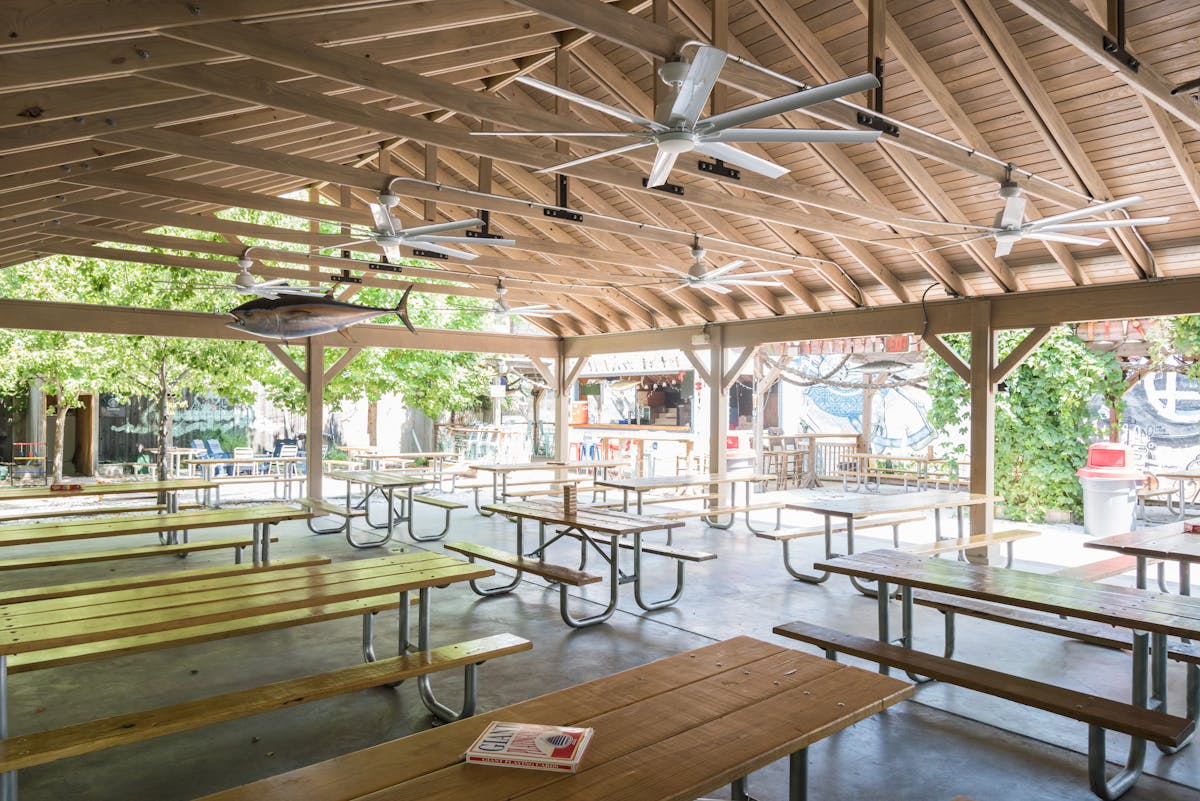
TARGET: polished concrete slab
(945,742)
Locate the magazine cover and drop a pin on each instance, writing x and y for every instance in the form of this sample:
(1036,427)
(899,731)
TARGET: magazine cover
(530,745)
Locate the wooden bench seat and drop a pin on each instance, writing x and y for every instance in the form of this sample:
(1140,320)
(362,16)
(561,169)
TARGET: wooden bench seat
(327,508)
(83,512)
(84,738)
(659,549)
(859,525)
(720,511)
(441,503)
(547,570)
(655,500)
(1102,713)
(1006,538)
(1084,631)
(551,491)
(1105,568)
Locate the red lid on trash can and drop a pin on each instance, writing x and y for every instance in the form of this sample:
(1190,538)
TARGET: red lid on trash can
(1110,460)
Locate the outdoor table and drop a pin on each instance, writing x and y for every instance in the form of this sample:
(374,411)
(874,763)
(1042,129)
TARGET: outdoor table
(177,455)
(385,483)
(922,467)
(592,526)
(1151,616)
(661,732)
(854,508)
(171,488)
(1168,542)
(150,614)
(1181,479)
(501,472)
(436,460)
(640,486)
(260,517)
(808,453)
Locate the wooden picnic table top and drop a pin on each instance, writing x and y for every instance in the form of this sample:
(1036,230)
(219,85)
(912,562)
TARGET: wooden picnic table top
(669,482)
(603,521)
(116,488)
(1180,475)
(259,458)
(147,523)
(575,465)
(1168,541)
(207,607)
(378,478)
(409,455)
(861,506)
(1143,610)
(678,728)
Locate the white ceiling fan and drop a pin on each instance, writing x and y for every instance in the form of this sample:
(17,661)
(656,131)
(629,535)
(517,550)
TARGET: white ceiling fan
(699,276)
(503,310)
(247,284)
(389,235)
(1011,228)
(678,129)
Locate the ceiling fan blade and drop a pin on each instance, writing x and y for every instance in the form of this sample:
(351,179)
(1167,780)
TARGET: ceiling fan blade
(583,160)
(384,222)
(272,282)
(796,100)
(676,288)
(733,265)
(974,238)
(1014,212)
(741,282)
(557,133)
(741,158)
(300,290)
(791,135)
(947,222)
(664,162)
(422,244)
(1070,239)
(1004,245)
(596,105)
(349,245)
(697,85)
(1091,225)
(437,228)
(1088,211)
(392,253)
(714,286)
(446,240)
(673,270)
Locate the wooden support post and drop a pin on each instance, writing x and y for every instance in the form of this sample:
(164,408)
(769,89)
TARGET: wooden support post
(314,385)
(718,401)
(720,39)
(983,417)
(431,175)
(876,49)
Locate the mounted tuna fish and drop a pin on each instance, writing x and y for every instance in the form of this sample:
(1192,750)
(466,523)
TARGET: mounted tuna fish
(297,317)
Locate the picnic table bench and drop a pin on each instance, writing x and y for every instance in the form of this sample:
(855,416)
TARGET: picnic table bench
(386,482)
(662,731)
(259,517)
(590,527)
(83,622)
(1150,617)
(169,489)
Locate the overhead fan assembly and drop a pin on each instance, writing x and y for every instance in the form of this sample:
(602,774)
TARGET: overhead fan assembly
(1010,226)
(502,309)
(247,284)
(390,236)
(678,129)
(699,276)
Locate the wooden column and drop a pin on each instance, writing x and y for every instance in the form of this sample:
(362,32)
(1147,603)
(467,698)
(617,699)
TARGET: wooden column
(983,417)
(718,401)
(314,386)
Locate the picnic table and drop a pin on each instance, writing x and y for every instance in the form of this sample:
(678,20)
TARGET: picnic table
(435,459)
(1150,617)
(50,626)
(171,487)
(1167,543)
(920,469)
(661,731)
(501,472)
(805,453)
(1181,478)
(851,509)
(593,528)
(260,517)
(641,486)
(385,483)
(287,475)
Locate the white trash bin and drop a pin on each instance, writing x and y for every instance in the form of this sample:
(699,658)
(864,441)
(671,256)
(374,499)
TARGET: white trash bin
(1110,485)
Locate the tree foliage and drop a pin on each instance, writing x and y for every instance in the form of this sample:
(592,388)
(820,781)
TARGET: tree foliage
(1044,421)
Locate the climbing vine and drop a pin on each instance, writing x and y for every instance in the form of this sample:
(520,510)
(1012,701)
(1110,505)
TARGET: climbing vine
(1044,418)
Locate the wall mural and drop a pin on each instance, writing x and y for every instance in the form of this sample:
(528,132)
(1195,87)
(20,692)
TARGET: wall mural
(1161,422)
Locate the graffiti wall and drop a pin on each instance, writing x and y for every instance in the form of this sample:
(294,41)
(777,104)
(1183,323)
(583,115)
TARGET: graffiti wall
(1162,422)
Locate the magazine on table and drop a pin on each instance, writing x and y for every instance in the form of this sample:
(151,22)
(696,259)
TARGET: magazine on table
(533,746)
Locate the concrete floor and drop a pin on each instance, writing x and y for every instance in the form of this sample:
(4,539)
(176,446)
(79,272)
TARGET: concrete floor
(945,742)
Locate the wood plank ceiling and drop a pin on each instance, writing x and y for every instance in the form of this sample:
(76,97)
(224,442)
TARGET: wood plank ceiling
(117,118)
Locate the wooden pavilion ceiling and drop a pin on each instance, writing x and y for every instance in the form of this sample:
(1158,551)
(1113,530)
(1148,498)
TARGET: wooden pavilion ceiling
(120,117)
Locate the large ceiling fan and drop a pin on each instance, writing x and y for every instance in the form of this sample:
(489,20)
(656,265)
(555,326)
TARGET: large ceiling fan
(678,129)
(389,235)
(503,310)
(1011,227)
(720,279)
(247,284)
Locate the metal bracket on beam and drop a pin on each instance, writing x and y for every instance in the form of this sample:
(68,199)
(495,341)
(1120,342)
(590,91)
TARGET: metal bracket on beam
(562,213)
(486,232)
(345,278)
(428,254)
(669,188)
(878,124)
(383,265)
(1113,42)
(717,167)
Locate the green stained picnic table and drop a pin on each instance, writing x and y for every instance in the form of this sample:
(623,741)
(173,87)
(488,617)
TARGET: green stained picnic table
(171,487)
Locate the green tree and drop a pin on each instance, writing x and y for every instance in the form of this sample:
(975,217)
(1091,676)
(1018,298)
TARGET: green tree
(1043,418)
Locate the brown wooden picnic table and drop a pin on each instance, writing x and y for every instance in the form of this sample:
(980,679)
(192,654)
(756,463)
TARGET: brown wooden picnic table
(386,483)
(1168,542)
(678,728)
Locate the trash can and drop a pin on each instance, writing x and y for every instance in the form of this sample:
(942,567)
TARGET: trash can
(1110,485)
